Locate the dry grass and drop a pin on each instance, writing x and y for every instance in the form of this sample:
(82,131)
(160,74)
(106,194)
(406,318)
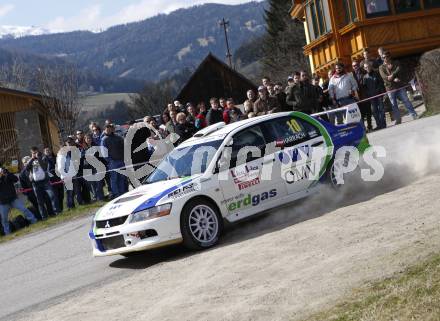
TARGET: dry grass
(413,294)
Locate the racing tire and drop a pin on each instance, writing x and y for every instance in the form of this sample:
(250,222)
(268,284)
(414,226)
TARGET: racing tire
(330,177)
(201,224)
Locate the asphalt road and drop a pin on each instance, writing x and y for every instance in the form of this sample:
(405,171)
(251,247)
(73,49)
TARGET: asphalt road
(47,267)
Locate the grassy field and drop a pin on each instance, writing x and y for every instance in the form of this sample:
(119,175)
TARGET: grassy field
(78,211)
(103,101)
(411,295)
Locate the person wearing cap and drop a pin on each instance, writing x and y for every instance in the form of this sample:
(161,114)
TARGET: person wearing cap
(290,83)
(265,104)
(80,138)
(180,108)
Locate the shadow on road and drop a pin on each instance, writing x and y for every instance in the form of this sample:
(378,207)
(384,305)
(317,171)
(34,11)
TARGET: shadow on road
(355,191)
(145,259)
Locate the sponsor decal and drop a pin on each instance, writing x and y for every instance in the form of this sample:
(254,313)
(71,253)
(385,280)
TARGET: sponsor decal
(184,190)
(296,154)
(354,114)
(243,201)
(313,133)
(294,137)
(252,182)
(343,134)
(246,176)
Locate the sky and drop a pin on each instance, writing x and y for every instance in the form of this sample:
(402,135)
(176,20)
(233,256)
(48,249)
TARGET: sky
(95,15)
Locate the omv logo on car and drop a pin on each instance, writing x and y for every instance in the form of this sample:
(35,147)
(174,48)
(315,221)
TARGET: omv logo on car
(251,200)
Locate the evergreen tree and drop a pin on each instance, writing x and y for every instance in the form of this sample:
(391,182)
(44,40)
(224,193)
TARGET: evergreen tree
(283,42)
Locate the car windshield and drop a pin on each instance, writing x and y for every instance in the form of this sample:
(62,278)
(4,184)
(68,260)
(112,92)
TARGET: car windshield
(185,161)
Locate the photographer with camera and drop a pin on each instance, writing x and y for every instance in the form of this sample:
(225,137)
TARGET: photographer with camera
(37,169)
(9,200)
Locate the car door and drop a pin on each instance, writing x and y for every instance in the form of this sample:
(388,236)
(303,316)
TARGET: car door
(297,138)
(242,186)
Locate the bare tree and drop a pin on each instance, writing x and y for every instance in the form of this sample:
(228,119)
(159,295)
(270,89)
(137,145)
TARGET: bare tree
(59,86)
(15,75)
(151,100)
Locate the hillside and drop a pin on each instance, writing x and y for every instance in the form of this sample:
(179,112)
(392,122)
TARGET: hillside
(152,49)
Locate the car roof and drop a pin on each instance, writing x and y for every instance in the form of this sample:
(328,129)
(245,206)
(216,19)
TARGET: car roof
(217,131)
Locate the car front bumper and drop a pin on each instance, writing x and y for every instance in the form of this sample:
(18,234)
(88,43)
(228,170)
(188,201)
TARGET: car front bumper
(134,237)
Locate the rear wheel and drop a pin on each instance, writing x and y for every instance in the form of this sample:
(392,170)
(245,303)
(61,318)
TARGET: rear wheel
(331,176)
(201,224)
(337,178)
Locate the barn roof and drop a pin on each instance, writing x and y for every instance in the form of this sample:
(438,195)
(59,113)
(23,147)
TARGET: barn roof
(214,78)
(21,93)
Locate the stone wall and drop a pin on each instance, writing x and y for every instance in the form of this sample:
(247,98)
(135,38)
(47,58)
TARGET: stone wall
(28,131)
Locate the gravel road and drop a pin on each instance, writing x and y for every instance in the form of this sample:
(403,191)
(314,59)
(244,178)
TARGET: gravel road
(278,266)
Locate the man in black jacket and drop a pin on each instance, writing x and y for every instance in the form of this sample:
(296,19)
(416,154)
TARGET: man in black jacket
(8,200)
(37,169)
(115,160)
(373,86)
(184,129)
(303,96)
(215,114)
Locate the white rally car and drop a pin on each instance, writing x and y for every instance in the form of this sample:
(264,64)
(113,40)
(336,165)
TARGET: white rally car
(208,179)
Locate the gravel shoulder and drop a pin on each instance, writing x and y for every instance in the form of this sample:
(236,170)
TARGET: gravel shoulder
(284,265)
(279,266)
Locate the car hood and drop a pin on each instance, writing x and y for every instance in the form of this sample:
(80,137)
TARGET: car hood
(143,197)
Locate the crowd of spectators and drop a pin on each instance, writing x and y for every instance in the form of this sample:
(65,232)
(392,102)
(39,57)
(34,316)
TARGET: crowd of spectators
(365,84)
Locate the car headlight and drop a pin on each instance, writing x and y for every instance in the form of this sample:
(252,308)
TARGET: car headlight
(150,213)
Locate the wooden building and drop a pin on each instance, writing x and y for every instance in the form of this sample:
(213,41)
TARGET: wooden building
(339,30)
(24,123)
(214,78)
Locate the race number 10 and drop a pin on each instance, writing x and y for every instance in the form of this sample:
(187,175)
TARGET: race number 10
(294,126)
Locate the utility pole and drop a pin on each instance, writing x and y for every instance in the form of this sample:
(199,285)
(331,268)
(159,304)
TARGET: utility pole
(225,25)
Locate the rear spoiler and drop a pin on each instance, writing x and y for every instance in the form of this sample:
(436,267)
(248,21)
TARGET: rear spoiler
(349,114)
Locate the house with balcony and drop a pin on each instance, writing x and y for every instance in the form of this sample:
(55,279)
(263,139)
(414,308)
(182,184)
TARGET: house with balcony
(339,30)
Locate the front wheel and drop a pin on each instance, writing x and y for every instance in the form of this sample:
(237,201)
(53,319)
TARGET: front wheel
(201,225)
